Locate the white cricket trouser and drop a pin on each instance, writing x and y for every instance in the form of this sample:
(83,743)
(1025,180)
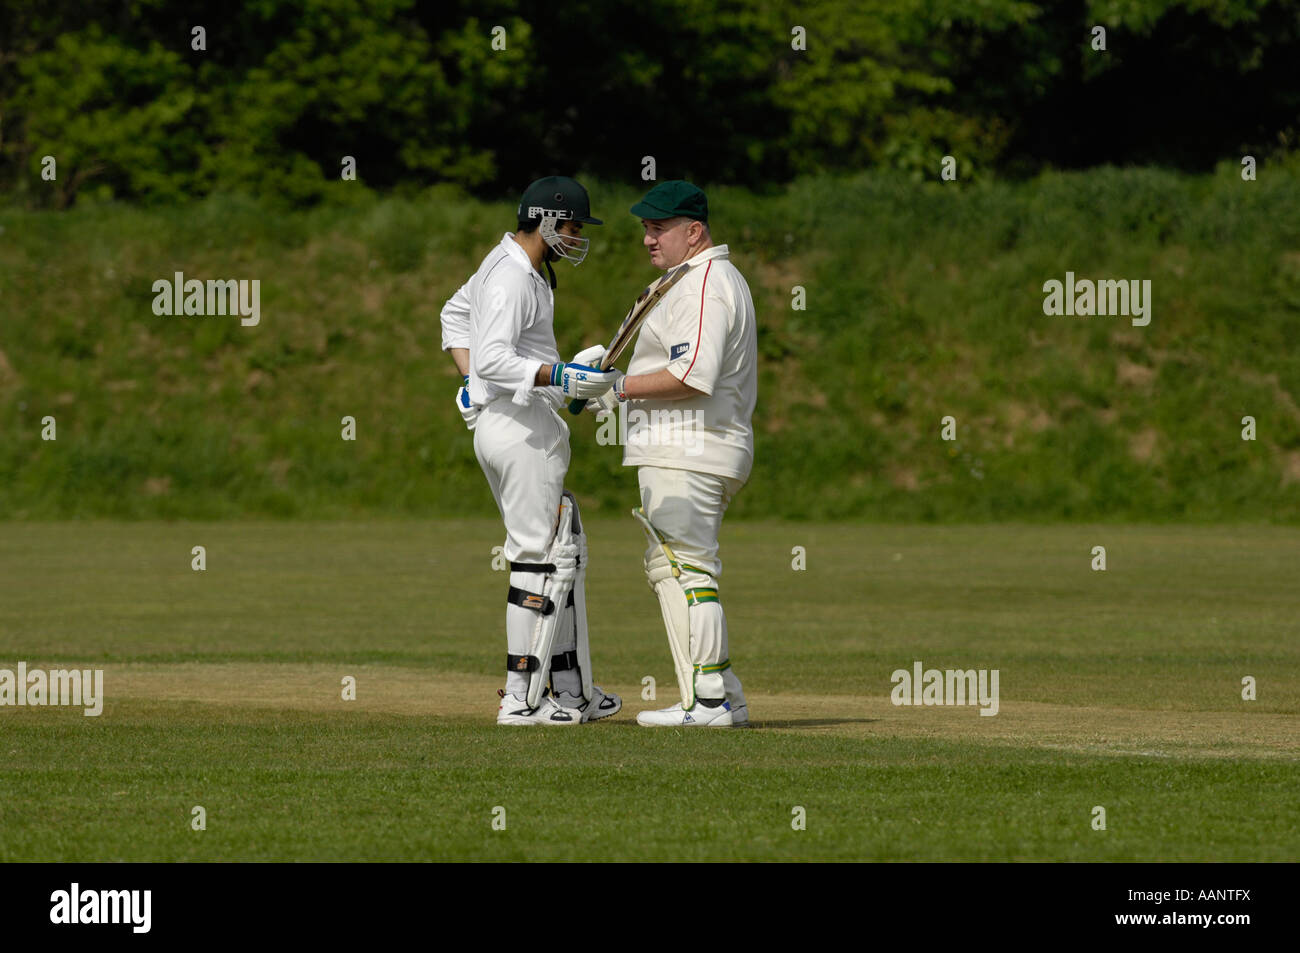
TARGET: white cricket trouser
(524,453)
(687,507)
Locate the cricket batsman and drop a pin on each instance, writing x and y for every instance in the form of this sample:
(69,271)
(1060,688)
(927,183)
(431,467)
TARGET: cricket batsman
(694,373)
(499,329)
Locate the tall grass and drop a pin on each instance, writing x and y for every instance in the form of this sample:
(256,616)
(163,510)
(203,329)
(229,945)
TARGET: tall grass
(923,301)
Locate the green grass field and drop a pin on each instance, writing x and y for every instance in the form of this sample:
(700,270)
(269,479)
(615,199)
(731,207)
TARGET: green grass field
(1119,688)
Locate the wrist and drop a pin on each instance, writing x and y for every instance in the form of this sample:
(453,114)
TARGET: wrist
(620,388)
(557,374)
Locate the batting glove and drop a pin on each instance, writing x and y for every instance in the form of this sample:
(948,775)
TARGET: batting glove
(608,402)
(604,404)
(580,382)
(591,356)
(468,411)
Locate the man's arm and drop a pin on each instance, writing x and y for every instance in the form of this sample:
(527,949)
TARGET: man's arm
(542,378)
(661,385)
(455,328)
(508,309)
(701,324)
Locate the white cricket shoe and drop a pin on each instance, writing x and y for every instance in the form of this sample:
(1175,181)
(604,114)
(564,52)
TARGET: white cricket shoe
(602,704)
(514,710)
(679,717)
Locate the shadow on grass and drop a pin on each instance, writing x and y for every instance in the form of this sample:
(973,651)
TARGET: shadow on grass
(812,722)
(791,723)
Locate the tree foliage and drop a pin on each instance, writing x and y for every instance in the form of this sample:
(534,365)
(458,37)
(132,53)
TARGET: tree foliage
(488,95)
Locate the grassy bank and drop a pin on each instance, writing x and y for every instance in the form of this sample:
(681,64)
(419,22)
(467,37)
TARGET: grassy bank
(923,301)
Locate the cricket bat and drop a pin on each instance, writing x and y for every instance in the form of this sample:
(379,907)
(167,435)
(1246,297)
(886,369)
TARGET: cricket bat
(636,315)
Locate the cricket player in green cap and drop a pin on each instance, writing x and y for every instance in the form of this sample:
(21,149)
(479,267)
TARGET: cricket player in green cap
(689,395)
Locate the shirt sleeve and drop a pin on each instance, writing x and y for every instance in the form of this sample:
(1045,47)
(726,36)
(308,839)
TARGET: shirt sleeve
(455,320)
(696,336)
(507,307)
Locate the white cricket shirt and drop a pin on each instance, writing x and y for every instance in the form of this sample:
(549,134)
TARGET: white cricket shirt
(505,315)
(705,332)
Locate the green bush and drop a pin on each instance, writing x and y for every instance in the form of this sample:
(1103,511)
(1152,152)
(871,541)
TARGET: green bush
(490,96)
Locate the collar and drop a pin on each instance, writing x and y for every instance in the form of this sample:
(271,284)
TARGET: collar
(515,251)
(717,251)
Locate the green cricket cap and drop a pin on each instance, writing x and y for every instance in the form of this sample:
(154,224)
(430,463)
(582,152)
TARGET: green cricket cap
(672,198)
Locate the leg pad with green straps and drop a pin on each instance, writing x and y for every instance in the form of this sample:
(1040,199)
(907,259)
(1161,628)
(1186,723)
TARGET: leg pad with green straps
(662,571)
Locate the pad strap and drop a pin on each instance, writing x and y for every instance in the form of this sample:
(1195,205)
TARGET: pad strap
(532,567)
(564,661)
(530,600)
(521,663)
(714,668)
(697,596)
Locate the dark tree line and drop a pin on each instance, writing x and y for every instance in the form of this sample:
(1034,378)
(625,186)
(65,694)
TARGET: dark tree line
(717,90)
